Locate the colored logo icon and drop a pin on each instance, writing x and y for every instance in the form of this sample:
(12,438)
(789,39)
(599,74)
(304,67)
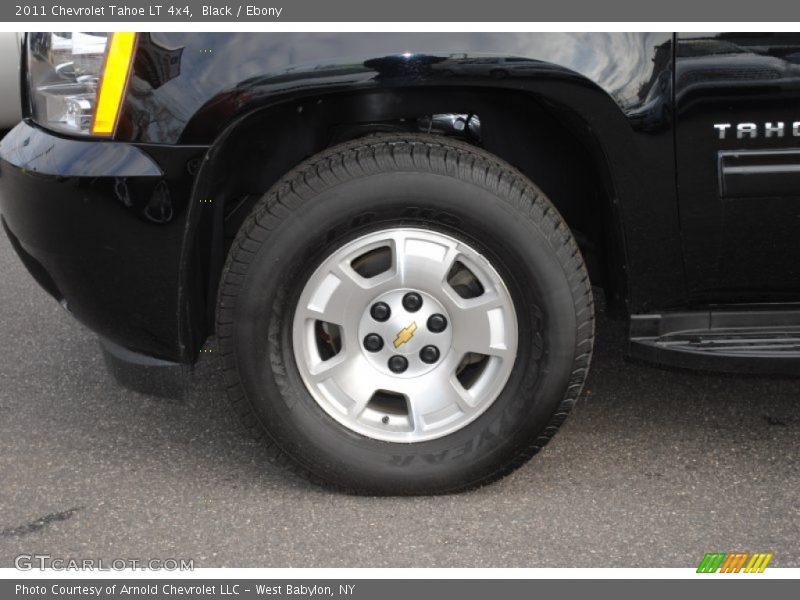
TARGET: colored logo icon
(734,562)
(405,335)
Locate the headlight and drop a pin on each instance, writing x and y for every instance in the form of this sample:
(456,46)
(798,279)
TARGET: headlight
(77,80)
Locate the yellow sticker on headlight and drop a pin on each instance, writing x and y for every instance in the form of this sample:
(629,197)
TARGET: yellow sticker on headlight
(113,81)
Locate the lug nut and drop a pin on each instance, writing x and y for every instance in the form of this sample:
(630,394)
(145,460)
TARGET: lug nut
(412,302)
(429,354)
(398,364)
(437,323)
(380,311)
(373,342)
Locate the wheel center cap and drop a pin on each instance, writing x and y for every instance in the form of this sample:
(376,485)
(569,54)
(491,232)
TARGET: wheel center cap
(416,335)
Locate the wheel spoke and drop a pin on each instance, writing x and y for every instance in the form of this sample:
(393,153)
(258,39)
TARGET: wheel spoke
(339,298)
(438,402)
(342,378)
(483,325)
(423,263)
(334,368)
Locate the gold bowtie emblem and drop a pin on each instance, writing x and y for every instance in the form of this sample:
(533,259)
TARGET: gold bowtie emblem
(405,334)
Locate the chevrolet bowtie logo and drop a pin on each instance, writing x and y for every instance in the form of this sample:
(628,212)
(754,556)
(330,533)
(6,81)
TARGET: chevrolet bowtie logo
(405,334)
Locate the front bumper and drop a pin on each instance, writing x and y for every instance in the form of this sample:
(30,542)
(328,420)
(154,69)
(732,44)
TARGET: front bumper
(100,225)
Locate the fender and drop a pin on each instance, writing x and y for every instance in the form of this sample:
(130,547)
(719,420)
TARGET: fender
(181,79)
(614,89)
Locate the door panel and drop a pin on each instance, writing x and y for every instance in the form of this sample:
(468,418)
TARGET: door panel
(738,162)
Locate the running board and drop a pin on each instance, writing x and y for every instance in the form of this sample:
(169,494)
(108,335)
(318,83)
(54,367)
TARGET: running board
(757,341)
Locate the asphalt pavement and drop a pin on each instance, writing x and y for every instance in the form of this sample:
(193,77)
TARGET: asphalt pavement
(654,468)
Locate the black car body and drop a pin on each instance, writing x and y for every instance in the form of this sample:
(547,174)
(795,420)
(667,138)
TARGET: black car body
(674,159)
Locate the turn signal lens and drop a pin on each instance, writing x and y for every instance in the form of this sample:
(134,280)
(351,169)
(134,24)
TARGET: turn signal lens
(113,82)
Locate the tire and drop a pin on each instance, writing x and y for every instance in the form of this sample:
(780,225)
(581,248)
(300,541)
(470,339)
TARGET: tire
(421,187)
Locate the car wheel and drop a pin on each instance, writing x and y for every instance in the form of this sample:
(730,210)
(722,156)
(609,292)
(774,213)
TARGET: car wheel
(404,314)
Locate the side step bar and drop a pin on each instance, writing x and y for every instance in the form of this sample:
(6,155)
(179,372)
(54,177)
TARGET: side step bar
(765,342)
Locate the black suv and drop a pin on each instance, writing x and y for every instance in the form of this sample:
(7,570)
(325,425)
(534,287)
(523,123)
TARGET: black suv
(395,237)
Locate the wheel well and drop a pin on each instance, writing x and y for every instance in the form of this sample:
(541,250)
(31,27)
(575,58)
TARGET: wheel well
(545,142)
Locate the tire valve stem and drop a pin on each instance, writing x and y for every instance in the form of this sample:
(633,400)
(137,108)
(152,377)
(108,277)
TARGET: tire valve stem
(385,420)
